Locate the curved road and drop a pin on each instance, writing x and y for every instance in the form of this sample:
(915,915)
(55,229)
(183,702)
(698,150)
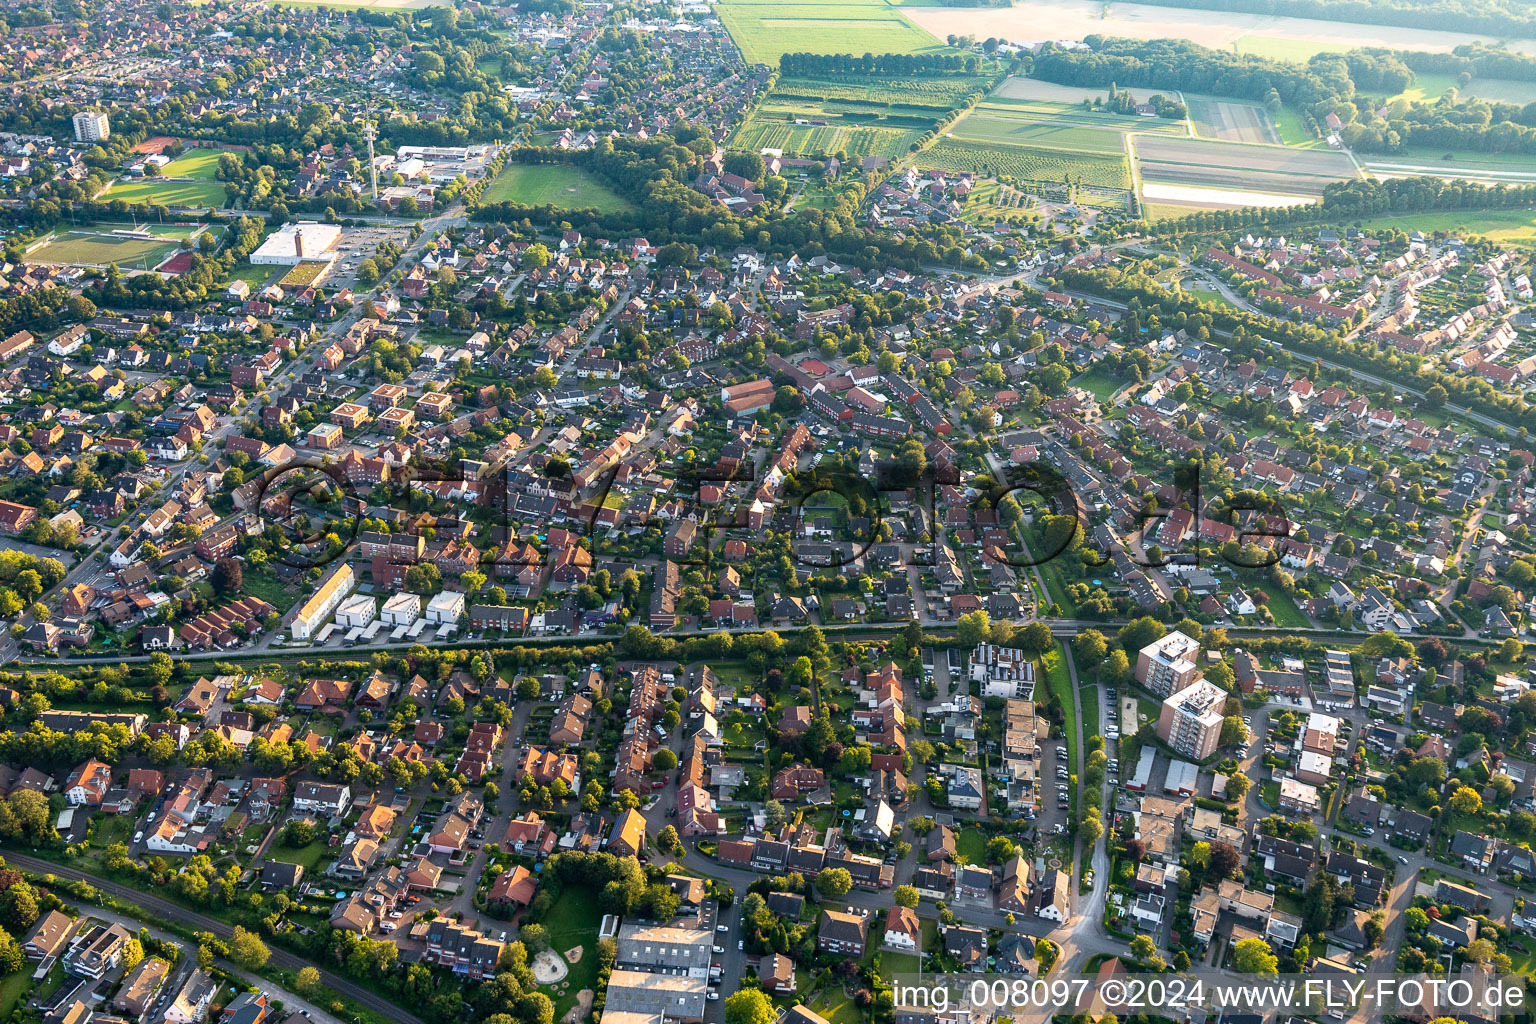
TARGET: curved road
(175,912)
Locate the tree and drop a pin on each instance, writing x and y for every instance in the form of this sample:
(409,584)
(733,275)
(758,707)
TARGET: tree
(1090,648)
(972,628)
(748,1006)
(834,882)
(1237,786)
(1091,829)
(247,950)
(228,576)
(1233,731)
(307,984)
(1225,860)
(1466,801)
(1138,633)
(534,937)
(1117,667)
(1253,956)
(905,896)
(664,760)
(1035,638)
(1046,953)
(1143,948)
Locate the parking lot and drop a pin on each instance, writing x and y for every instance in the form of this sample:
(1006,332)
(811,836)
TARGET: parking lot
(360,243)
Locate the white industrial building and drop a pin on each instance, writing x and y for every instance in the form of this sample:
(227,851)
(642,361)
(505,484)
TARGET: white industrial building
(315,611)
(356,611)
(293,244)
(447,607)
(401,610)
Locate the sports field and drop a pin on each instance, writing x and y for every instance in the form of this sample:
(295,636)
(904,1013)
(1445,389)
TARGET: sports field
(767,31)
(1228,165)
(559,185)
(83,249)
(1230,120)
(201,164)
(168,193)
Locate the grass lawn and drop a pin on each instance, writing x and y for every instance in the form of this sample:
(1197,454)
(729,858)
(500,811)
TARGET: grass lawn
(1100,384)
(168,193)
(1088,694)
(572,922)
(1281,606)
(898,963)
(558,185)
(1059,684)
(971,846)
(270,589)
(194,163)
(309,855)
(14,989)
(1292,127)
(255,277)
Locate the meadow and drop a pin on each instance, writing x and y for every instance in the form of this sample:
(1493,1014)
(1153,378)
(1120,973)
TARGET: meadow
(167,193)
(83,249)
(1508,227)
(1493,167)
(559,185)
(765,32)
(1427,88)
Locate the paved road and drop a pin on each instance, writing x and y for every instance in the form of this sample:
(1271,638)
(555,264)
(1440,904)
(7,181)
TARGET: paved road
(175,912)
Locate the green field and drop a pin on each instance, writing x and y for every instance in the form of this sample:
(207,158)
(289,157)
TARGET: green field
(194,163)
(1427,88)
(1025,163)
(1280,48)
(1509,227)
(559,185)
(83,249)
(765,32)
(167,193)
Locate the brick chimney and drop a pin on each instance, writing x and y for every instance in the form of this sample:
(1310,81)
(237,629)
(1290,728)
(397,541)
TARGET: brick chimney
(298,242)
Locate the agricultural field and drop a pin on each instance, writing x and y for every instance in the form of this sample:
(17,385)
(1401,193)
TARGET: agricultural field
(559,185)
(1284,38)
(850,92)
(1230,120)
(1016,88)
(1226,165)
(87,249)
(765,32)
(199,164)
(1025,163)
(167,193)
(853,140)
